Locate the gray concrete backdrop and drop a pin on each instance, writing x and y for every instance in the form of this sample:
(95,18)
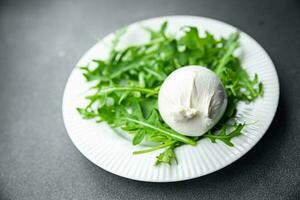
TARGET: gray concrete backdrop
(40,42)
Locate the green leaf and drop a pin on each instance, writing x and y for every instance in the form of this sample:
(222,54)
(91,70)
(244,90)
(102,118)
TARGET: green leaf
(168,156)
(158,34)
(223,136)
(86,114)
(162,130)
(138,137)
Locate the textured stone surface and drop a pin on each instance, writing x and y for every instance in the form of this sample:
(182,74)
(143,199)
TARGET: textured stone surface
(40,42)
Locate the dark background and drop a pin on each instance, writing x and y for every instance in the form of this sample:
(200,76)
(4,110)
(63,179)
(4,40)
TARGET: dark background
(41,41)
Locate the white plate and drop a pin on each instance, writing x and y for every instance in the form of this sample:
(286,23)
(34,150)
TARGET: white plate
(102,146)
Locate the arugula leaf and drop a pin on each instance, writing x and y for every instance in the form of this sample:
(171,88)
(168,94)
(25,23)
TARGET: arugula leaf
(138,137)
(87,114)
(224,136)
(163,130)
(168,156)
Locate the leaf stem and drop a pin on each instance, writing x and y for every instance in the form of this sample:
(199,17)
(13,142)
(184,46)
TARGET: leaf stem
(154,148)
(174,135)
(224,59)
(137,89)
(93,98)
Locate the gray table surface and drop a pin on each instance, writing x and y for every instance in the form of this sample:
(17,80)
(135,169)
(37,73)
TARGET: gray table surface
(40,42)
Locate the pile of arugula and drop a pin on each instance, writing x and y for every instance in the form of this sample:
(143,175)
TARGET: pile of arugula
(128,82)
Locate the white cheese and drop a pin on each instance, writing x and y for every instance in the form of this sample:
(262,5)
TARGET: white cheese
(192,100)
